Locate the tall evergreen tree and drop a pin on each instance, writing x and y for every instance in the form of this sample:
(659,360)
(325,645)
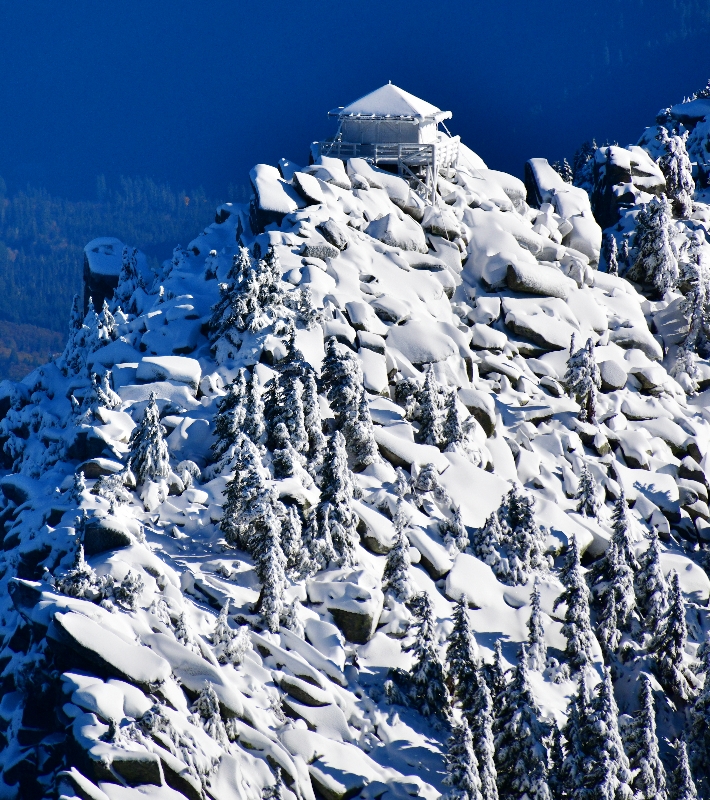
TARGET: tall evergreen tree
(246,494)
(148,448)
(292,543)
(334,512)
(574,764)
(678,172)
(452,433)
(487,543)
(589,504)
(395,578)
(583,381)
(230,416)
(577,628)
(313,424)
(496,673)
(682,785)
(699,729)
(362,444)
(521,740)
(651,586)
(649,773)
(607,774)
(462,766)
(270,565)
(461,650)
(524,541)
(254,426)
(656,261)
(429,401)
(668,646)
(428,692)
(695,307)
(537,646)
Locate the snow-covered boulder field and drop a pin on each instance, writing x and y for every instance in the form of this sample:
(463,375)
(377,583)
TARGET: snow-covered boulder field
(367,496)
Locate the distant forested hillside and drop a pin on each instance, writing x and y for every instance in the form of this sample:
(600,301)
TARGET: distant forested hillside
(41,242)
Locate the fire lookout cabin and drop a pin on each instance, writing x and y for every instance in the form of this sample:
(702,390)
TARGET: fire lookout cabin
(397,131)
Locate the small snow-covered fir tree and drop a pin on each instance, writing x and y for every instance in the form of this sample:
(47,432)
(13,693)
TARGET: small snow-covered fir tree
(276,790)
(487,542)
(128,279)
(608,774)
(583,381)
(537,646)
(573,767)
(583,165)
(682,785)
(314,425)
(649,780)
(246,494)
(695,307)
(474,698)
(677,170)
(270,566)
(656,261)
(148,448)
(335,512)
(453,438)
(577,628)
(80,580)
(462,766)
(521,738)
(651,586)
(698,736)
(495,672)
(254,411)
(206,713)
(428,692)
(341,379)
(461,649)
(230,416)
(608,631)
(361,436)
(292,543)
(285,457)
(615,570)
(668,646)
(612,255)
(523,540)
(589,504)
(429,401)
(395,578)
(564,170)
(454,532)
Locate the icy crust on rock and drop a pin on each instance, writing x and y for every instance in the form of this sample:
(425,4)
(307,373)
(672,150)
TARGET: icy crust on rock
(150,649)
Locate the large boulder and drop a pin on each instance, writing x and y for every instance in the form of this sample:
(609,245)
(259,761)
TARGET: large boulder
(398,232)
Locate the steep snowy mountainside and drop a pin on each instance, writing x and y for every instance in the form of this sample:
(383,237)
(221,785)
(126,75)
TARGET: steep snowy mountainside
(278,523)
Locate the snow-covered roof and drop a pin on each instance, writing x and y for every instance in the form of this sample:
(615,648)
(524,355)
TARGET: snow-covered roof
(391,102)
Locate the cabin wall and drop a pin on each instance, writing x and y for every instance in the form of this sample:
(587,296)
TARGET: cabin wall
(372,131)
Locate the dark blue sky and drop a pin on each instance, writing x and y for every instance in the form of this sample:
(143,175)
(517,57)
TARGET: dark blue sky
(197,92)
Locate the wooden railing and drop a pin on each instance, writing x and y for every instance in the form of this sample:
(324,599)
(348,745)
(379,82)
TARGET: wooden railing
(443,153)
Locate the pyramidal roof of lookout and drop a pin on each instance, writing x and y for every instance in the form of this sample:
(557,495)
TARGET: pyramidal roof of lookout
(391,101)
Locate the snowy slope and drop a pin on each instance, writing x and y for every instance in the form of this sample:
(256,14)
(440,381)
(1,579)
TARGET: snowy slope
(120,679)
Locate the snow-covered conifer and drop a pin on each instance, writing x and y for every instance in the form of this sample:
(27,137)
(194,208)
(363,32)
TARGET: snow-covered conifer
(577,628)
(428,691)
(668,646)
(487,542)
(496,674)
(313,424)
(395,578)
(360,435)
(462,766)
(608,631)
(246,494)
(612,255)
(537,646)
(649,773)
(572,770)
(270,565)
(523,540)
(454,532)
(230,416)
(677,170)
(651,586)
(656,261)
(682,784)
(521,740)
(476,703)
(589,504)
(128,279)
(583,165)
(335,512)
(461,649)
(80,580)
(430,421)
(617,566)
(452,433)
(206,713)
(285,457)
(292,543)
(254,411)
(698,735)
(583,381)
(695,307)
(76,493)
(341,380)
(148,448)
(276,790)
(607,773)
